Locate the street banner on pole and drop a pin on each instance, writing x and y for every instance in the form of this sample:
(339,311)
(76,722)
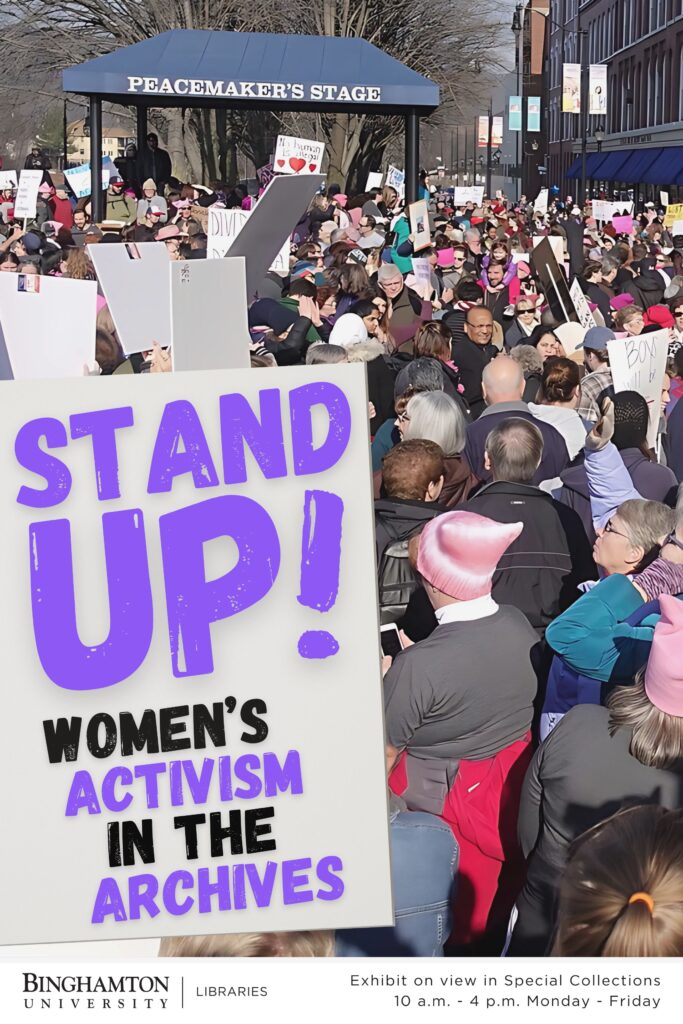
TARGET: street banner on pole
(482,131)
(533,114)
(515,114)
(497,131)
(597,89)
(571,88)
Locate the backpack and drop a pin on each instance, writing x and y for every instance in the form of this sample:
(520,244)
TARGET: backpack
(395,524)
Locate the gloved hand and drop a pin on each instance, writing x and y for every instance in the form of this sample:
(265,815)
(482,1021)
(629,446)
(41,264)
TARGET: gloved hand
(603,431)
(660,577)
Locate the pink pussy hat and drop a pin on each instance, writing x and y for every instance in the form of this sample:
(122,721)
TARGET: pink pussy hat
(459,552)
(664,672)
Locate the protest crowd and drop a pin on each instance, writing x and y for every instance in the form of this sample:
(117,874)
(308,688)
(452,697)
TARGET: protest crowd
(524,369)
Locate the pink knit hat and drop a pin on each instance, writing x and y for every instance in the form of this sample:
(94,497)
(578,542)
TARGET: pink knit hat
(664,672)
(459,552)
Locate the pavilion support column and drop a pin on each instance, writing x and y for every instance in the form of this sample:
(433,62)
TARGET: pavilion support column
(141,127)
(412,155)
(96,200)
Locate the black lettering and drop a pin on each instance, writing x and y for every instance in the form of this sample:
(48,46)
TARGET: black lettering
(252,831)
(251,709)
(62,739)
(93,738)
(189,822)
(204,722)
(138,737)
(168,728)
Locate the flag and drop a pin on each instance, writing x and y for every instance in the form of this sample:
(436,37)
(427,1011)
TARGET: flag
(571,88)
(597,89)
(515,114)
(533,114)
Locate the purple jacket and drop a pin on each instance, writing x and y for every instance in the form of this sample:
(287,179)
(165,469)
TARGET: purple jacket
(650,480)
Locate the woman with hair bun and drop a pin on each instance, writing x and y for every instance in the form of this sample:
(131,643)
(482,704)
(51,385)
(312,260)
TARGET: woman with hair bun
(622,892)
(556,403)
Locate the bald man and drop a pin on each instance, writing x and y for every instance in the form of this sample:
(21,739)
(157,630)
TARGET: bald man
(472,353)
(502,390)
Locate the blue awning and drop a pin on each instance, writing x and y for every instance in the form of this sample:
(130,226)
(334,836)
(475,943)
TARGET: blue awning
(637,164)
(592,160)
(666,168)
(609,169)
(204,68)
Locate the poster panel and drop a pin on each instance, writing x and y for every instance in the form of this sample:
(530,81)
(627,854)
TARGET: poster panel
(187,639)
(597,89)
(134,281)
(639,364)
(27,194)
(571,88)
(218,289)
(298,156)
(418,215)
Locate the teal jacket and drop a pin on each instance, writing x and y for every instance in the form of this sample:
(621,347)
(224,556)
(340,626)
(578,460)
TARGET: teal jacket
(404,263)
(593,637)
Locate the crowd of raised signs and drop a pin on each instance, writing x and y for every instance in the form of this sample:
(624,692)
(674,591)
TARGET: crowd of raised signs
(524,370)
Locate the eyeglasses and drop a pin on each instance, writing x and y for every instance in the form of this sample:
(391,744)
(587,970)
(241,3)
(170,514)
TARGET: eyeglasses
(610,529)
(673,539)
(678,313)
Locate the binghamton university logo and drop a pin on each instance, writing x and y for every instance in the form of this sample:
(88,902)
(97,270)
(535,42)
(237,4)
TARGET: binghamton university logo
(95,991)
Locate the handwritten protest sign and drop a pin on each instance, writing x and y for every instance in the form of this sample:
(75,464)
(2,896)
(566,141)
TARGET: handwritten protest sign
(374,180)
(8,179)
(673,214)
(79,179)
(27,194)
(604,211)
(186,640)
(298,156)
(396,179)
(224,227)
(583,311)
(639,364)
(472,194)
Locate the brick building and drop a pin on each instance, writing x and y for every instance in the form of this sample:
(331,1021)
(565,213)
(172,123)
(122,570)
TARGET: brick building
(639,144)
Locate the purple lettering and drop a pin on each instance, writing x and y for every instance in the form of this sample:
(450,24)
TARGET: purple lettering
(180,423)
(185,881)
(239,425)
(293,880)
(31,456)
(307,459)
(101,425)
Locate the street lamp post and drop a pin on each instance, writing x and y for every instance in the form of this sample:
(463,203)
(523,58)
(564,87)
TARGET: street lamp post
(583,37)
(517,25)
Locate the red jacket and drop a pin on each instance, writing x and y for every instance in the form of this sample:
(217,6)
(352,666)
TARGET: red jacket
(62,212)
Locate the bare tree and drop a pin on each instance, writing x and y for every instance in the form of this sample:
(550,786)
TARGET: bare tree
(41,38)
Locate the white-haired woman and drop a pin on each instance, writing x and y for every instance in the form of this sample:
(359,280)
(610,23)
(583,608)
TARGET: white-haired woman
(435,416)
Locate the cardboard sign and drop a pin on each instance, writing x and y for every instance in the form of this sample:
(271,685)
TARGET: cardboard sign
(186,639)
(375,179)
(473,194)
(673,214)
(547,269)
(583,311)
(223,228)
(79,180)
(27,194)
(218,289)
(677,228)
(135,282)
(298,156)
(48,325)
(639,364)
(271,223)
(418,215)
(624,225)
(664,198)
(8,179)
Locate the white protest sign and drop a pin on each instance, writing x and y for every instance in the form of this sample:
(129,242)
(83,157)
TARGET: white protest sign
(186,637)
(135,282)
(664,198)
(540,203)
(298,156)
(223,228)
(27,193)
(677,228)
(422,271)
(639,364)
(571,334)
(375,179)
(8,179)
(218,289)
(396,179)
(79,180)
(604,211)
(586,318)
(271,223)
(48,324)
(468,194)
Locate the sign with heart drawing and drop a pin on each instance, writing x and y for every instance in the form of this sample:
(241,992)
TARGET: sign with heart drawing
(297,156)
